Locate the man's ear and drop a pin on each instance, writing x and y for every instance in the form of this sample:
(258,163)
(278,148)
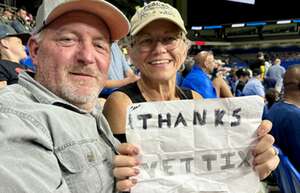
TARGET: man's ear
(33,46)
(4,43)
(205,63)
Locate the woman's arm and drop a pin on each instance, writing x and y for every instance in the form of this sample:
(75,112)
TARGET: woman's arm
(115,110)
(196,95)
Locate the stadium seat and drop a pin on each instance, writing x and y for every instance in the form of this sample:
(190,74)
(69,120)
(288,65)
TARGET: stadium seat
(288,178)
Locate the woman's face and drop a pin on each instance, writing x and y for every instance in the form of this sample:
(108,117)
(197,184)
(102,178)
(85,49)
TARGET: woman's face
(158,50)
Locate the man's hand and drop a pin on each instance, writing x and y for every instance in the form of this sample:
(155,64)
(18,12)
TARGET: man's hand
(265,155)
(125,166)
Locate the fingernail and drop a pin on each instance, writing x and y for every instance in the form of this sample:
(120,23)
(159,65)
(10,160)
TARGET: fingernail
(135,163)
(261,132)
(136,151)
(136,171)
(134,181)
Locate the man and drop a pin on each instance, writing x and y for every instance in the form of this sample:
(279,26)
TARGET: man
(285,116)
(20,23)
(119,74)
(53,137)
(12,50)
(243,76)
(7,16)
(276,73)
(259,62)
(254,86)
(198,79)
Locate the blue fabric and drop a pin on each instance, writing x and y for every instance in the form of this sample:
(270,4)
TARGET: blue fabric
(286,130)
(288,178)
(118,65)
(276,72)
(254,87)
(27,62)
(179,78)
(199,81)
(117,68)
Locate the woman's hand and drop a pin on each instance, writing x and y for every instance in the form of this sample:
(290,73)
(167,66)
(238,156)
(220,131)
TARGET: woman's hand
(125,166)
(265,155)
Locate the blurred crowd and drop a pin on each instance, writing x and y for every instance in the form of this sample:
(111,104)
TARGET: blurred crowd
(21,20)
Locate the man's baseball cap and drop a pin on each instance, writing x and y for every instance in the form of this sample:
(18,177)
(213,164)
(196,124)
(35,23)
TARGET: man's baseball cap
(153,11)
(115,20)
(8,31)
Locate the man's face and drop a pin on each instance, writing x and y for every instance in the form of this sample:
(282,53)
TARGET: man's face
(210,63)
(16,47)
(22,13)
(8,14)
(73,57)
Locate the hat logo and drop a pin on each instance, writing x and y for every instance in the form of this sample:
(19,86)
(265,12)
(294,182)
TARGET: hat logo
(152,9)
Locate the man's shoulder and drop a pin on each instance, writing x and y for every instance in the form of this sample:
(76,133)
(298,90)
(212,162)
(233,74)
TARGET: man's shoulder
(285,108)
(14,93)
(9,64)
(253,82)
(196,72)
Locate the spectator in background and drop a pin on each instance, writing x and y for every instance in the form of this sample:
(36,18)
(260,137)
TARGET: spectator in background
(272,97)
(254,86)
(119,74)
(20,23)
(221,86)
(12,51)
(7,16)
(188,65)
(285,116)
(268,63)
(199,77)
(259,62)
(232,78)
(276,73)
(243,75)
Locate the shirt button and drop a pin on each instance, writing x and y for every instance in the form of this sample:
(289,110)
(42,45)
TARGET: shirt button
(91,157)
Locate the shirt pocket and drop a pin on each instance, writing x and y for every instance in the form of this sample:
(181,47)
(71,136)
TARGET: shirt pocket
(86,167)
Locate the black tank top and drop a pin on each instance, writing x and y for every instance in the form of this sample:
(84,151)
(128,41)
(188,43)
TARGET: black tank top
(133,92)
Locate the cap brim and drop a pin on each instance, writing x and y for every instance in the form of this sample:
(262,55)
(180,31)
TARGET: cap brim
(115,20)
(23,36)
(140,27)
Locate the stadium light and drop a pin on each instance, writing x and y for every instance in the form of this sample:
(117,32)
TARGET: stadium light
(238,25)
(196,27)
(283,21)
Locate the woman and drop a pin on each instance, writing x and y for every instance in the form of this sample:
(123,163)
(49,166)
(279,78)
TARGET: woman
(158,48)
(158,54)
